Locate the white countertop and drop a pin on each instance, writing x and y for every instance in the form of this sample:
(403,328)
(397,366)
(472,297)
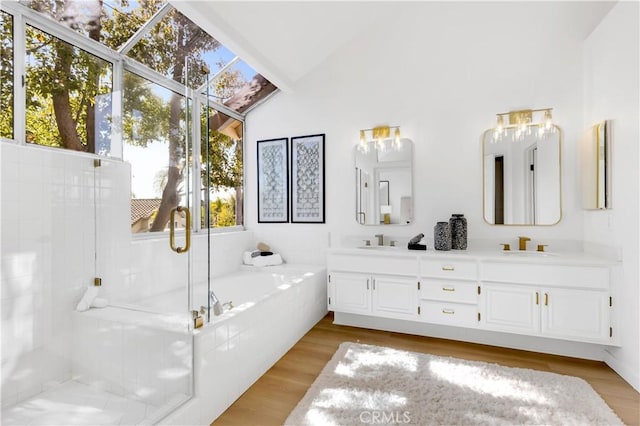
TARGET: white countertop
(513,256)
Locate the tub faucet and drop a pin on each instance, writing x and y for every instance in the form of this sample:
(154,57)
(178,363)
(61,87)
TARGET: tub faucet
(523,242)
(380,238)
(215,303)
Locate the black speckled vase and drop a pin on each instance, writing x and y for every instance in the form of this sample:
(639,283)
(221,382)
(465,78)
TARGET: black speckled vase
(458,226)
(442,236)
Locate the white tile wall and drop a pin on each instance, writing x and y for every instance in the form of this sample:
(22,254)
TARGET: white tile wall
(47,253)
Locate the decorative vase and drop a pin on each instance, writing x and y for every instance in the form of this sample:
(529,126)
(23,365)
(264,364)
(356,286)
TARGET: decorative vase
(442,236)
(458,226)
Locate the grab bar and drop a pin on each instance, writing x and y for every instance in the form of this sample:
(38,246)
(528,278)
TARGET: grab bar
(172,230)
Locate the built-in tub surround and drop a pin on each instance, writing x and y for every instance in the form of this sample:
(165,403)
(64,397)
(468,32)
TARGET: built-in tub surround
(561,303)
(274,306)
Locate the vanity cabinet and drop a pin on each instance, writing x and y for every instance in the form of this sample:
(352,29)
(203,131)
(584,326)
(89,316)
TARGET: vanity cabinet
(558,301)
(379,294)
(449,292)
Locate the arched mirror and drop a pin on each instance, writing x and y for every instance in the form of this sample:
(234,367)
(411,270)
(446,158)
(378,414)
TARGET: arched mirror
(384,183)
(521,177)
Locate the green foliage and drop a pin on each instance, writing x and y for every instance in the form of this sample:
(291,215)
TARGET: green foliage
(225,156)
(222,212)
(76,75)
(6,75)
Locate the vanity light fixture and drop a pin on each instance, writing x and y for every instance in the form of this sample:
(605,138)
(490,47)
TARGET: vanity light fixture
(380,135)
(521,124)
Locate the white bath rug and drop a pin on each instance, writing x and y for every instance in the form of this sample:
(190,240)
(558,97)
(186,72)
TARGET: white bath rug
(365,384)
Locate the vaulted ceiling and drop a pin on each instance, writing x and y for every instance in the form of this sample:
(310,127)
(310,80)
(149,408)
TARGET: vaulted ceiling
(285,40)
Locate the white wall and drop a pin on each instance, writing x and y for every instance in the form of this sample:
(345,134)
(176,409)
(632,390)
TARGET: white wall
(611,57)
(443,84)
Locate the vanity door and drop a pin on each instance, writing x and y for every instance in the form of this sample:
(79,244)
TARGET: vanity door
(575,314)
(350,292)
(510,307)
(395,297)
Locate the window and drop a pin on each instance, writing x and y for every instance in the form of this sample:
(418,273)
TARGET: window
(167,68)
(6,75)
(154,144)
(68,94)
(224,176)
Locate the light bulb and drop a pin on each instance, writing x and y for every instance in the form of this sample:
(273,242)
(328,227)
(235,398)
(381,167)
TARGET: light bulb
(396,139)
(500,127)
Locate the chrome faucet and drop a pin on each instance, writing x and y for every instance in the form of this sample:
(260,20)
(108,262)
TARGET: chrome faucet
(522,241)
(215,304)
(380,238)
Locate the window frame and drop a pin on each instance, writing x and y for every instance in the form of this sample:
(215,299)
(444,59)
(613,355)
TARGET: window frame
(23,16)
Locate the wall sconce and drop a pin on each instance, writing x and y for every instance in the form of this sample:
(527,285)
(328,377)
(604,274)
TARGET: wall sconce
(521,124)
(380,135)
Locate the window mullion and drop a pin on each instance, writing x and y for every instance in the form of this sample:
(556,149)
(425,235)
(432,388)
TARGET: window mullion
(19,76)
(117,110)
(197,165)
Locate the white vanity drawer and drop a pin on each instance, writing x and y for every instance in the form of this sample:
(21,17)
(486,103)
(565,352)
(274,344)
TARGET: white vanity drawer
(552,275)
(448,268)
(446,313)
(449,290)
(407,266)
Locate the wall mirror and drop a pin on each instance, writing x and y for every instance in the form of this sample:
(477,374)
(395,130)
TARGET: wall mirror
(521,176)
(596,167)
(384,183)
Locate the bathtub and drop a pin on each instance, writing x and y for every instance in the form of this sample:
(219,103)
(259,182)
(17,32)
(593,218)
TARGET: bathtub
(273,307)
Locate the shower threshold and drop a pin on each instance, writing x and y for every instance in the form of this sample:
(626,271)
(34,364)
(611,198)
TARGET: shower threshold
(75,403)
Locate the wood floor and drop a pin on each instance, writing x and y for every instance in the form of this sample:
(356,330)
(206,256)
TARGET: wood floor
(270,400)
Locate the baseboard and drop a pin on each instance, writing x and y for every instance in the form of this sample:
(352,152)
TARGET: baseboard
(484,337)
(623,371)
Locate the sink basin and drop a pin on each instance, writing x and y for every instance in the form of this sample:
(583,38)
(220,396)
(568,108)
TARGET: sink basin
(378,248)
(518,253)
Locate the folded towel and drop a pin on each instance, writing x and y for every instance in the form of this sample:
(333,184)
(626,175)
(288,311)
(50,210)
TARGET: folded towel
(99,302)
(88,297)
(274,259)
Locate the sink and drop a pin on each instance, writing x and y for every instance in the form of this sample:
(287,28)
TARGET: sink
(376,248)
(519,253)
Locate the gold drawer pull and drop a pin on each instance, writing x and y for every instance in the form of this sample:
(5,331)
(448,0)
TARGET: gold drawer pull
(448,311)
(448,268)
(448,289)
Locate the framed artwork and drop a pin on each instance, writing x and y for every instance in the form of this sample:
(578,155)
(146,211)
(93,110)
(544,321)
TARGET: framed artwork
(307,179)
(273,180)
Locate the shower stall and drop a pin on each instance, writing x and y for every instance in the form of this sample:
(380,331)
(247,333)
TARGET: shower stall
(131,216)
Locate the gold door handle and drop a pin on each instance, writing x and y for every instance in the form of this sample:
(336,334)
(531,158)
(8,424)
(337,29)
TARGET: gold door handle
(546,299)
(537,298)
(172,230)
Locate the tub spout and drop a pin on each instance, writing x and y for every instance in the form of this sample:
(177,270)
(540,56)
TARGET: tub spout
(215,304)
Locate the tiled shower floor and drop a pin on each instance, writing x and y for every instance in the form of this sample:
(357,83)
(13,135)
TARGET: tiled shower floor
(74,403)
